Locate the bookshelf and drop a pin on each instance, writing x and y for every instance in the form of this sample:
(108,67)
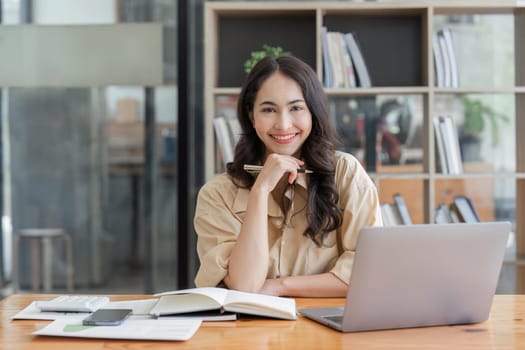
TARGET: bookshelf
(396,40)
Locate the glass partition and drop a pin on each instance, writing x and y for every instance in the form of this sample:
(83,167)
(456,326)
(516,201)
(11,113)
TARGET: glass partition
(89,140)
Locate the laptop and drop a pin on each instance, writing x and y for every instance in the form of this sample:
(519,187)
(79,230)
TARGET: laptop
(420,275)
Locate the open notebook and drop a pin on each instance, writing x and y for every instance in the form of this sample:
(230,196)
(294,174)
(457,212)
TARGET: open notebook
(420,275)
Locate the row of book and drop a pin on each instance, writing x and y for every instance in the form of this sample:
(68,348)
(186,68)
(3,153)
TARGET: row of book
(447,143)
(396,213)
(460,210)
(343,63)
(445,64)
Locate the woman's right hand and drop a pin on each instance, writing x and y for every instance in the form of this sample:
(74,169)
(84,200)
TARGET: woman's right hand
(249,258)
(275,167)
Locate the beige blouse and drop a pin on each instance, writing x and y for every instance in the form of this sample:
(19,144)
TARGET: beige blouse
(221,207)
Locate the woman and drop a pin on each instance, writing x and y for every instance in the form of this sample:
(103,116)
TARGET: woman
(284,231)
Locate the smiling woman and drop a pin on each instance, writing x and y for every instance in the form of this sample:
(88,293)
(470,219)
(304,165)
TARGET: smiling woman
(257,231)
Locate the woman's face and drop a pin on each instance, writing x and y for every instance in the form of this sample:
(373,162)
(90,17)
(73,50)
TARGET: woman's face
(280,116)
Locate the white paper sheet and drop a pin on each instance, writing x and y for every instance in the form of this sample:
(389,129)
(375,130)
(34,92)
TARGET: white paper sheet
(135,329)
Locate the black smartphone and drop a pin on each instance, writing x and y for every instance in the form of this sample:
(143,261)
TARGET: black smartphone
(106,317)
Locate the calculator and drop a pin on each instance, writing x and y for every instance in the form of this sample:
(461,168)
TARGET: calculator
(73,303)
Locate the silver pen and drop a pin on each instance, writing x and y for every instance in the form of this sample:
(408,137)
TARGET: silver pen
(257,168)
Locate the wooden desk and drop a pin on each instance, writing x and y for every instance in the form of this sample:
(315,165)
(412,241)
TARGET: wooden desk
(504,330)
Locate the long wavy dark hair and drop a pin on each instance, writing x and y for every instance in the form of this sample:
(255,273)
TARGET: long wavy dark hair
(323,213)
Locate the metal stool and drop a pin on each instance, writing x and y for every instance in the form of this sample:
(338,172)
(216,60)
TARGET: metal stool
(42,238)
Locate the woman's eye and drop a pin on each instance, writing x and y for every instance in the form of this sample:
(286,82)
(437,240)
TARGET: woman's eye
(267,110)
(297,108)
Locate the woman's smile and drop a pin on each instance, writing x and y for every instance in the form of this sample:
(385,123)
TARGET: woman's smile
(284,138)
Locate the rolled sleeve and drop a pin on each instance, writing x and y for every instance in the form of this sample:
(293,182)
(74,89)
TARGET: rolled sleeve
(343,266)
(360,204)
(217,228)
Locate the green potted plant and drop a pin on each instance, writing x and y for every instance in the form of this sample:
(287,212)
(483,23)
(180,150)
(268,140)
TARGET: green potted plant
(477,116)
(256,56)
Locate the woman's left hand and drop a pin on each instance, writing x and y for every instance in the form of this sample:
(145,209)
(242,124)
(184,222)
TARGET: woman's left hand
(272,286)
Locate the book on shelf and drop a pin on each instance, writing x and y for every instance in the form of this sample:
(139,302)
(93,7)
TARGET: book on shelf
(447,141)
(336,60)
(339,59)
(346,62)
(442,214)
(453,215)
(227,132)
(343,62)
(361,69)
(460,210)
(234,128)
(446,54)
(452,149)
(390,215)
(223,300)
(396,213)
(438,62)
(451,52)
(402,209)
(441,162)
(464,209)
(223,138)
(328,78)
(445,59)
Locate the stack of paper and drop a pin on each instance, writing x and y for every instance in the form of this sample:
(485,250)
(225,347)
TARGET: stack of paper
(141,325)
